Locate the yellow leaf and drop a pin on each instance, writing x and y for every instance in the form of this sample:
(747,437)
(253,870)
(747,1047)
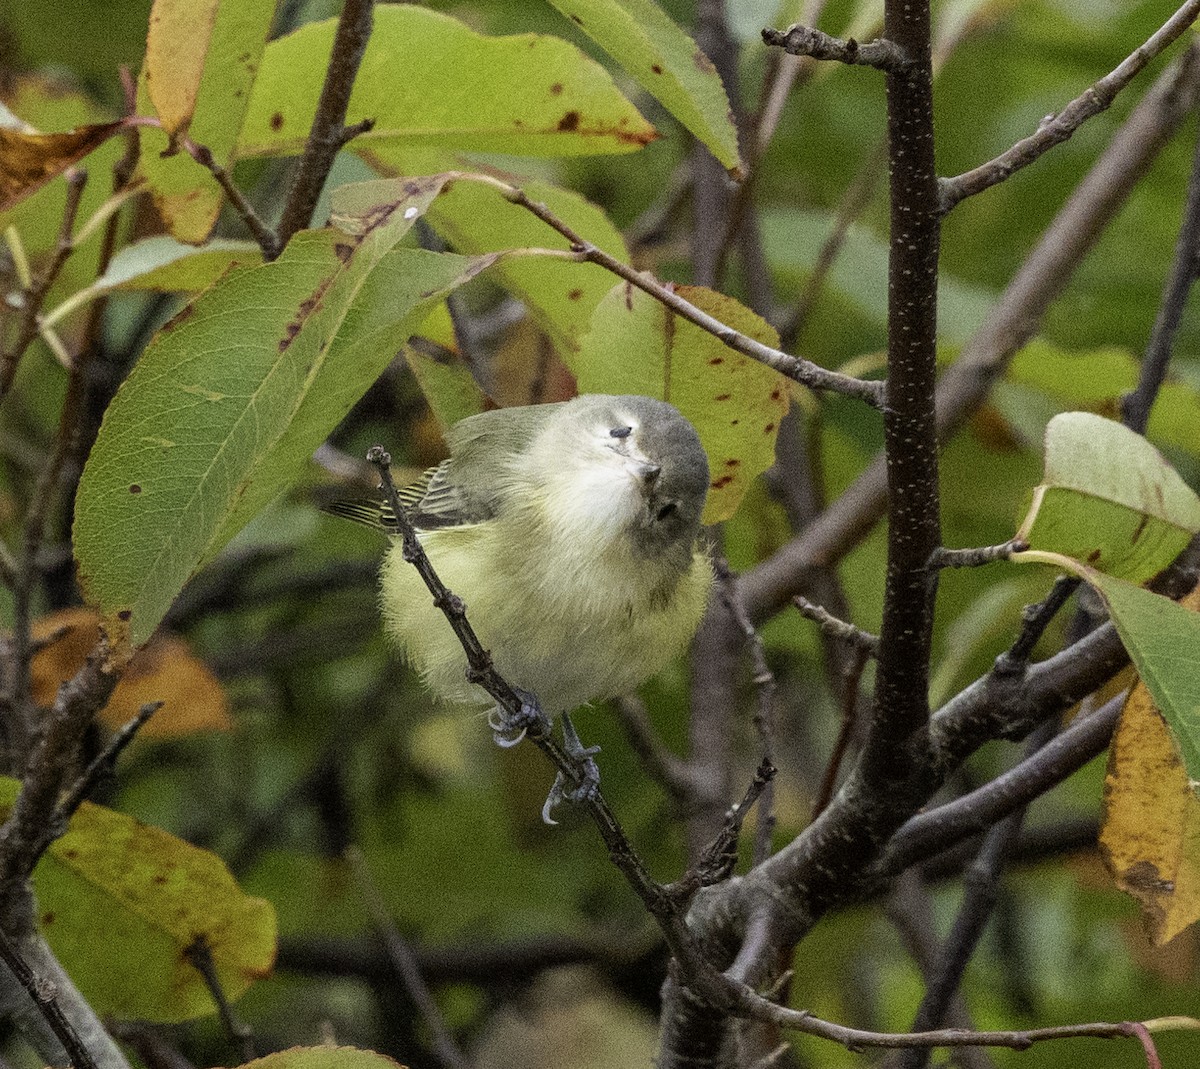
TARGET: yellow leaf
(165,670)
(1151,832)
(176,47)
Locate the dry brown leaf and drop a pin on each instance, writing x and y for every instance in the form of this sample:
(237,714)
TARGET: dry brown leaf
(164,670)
(1150,837)
(28,160)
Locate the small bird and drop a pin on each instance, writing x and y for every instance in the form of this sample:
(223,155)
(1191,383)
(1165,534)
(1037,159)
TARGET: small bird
(571,532)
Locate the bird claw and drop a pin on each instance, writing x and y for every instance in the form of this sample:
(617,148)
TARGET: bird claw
(588,783)
(508,730)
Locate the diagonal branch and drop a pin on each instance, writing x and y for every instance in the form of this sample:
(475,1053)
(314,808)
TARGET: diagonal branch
(1056,129)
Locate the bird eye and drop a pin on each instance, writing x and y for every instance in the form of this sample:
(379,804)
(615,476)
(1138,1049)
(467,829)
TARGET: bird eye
(665,511)
(620,432)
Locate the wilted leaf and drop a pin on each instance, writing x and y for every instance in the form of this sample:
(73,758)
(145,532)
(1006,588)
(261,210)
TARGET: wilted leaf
(231,398)
(202,57)
(637,345)
(28,160)
(1129,518)
(1150,836)
(427,79)
(666,62)
(165,670)
(119,904)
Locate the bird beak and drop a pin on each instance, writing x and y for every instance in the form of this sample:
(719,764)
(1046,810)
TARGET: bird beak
(645,472)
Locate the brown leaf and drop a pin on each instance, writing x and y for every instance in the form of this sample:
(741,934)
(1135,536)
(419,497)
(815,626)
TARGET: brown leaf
(28,160)
(1151,832)
(165,670)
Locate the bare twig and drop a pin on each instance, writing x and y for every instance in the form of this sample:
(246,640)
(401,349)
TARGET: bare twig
(974,558)
(1136,405)
(803,371)
(405,964)
(1034,621)
(763,680)
(329,132)
(267,239)
(850,692)
(800,40)
(199,953)
(45,997)
(1016,317)
(844,631)
(33,298)
(1055,129)
(100,766)
(661,903)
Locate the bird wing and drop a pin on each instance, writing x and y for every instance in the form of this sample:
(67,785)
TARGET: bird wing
(468,487)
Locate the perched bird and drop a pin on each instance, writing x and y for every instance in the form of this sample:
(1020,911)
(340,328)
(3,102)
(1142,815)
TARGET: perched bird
(570,531)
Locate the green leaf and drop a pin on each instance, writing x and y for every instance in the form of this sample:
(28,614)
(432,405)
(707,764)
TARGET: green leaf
(201,60)
(637,345)
(429,80)
(665,61)
(1163,641)
(119,904)
(1097,379)
(1109,499)
(164,264)
(232,396)
(448,386)
(560,295)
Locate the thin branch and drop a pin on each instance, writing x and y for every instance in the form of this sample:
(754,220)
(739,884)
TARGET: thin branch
(975,558)
(1136,405)
(937,829)
(1055,129)
(100,766)
(1034,621)
(1015,318)
(850,693)
(45,996)
(199,953)
(664,906)
(798,40)
(34,296)
(763,680)
(405,965)
(803,371)
(844,631)
(329,132)
(267,239)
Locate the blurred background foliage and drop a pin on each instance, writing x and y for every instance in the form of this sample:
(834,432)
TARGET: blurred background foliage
(333,742)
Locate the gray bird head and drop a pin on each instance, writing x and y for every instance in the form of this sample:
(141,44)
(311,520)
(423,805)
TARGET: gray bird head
(642,465)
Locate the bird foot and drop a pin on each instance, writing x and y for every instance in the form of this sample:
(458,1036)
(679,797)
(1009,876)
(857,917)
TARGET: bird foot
(587,783)
(509,729)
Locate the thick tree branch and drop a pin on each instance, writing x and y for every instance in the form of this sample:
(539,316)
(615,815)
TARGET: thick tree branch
(1056,129)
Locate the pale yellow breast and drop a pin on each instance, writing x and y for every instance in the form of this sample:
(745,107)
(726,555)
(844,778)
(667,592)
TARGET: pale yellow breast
(567,622)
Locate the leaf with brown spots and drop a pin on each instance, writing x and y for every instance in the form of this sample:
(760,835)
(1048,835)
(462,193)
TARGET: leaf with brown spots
(202,57)
(1150,836)
(28,160)
(223,411)
(666,62)
(1128,520)
(119,904)
(525,95)
(636,345)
